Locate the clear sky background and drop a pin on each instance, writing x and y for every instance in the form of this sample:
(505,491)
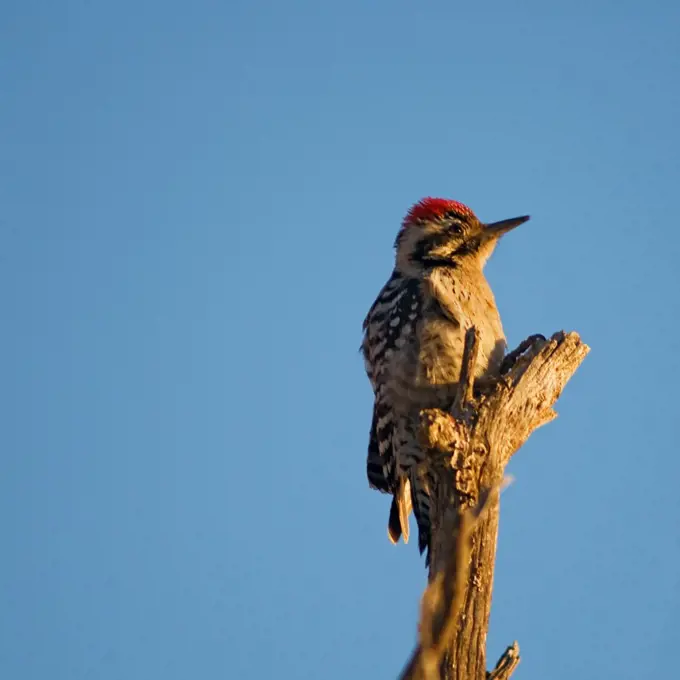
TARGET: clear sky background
(197,207)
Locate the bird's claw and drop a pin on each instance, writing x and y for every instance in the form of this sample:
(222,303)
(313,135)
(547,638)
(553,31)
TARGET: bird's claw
(511,359)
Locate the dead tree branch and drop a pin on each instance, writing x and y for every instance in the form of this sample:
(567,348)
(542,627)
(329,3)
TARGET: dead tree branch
(468,449)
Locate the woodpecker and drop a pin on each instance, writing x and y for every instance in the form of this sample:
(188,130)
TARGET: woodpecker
(413,342)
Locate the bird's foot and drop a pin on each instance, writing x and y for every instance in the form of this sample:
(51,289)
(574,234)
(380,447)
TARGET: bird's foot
(511,358)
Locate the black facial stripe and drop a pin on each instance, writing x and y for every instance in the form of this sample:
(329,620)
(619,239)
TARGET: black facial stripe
(420,249)
(425,245)
(468,247)
(437,262)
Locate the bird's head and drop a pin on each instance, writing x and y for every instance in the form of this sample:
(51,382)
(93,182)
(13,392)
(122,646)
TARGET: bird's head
(438,232)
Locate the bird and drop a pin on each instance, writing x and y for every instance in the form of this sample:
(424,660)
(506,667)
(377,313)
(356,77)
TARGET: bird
(413,341)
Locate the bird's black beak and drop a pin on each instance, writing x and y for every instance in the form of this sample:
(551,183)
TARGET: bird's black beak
(497,229)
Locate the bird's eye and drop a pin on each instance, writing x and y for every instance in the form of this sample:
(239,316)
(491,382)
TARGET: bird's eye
(454,226)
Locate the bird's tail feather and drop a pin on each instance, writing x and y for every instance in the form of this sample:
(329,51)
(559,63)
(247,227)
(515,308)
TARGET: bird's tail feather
(397,525)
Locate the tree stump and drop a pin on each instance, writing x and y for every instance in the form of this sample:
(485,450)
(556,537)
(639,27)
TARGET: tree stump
(468,448)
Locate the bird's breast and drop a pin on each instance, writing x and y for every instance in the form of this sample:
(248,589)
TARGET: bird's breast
(442,335)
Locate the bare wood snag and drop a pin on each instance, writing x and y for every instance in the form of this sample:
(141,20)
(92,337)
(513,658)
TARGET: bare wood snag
(468,448)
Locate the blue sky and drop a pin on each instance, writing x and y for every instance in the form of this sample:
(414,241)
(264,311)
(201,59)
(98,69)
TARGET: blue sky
(197,207)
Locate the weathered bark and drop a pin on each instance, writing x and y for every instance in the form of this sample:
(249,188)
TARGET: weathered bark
(469,448)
